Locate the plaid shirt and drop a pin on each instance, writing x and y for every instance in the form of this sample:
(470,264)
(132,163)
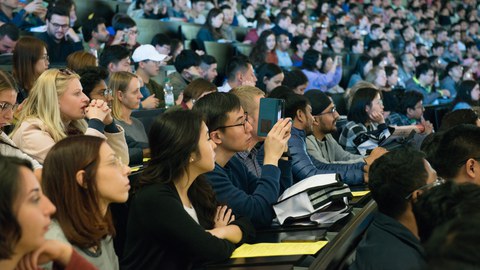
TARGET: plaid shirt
(352,130)
(397,119)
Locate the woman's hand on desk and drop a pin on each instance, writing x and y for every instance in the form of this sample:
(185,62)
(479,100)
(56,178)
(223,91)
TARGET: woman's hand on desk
(223,216)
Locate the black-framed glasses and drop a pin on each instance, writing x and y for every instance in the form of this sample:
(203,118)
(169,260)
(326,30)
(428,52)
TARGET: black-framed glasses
(439,181)
(332,111)
(244,124)
(5,106)
(63,26)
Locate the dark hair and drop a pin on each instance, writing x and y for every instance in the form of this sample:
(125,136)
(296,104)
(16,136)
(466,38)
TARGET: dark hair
(443,203)
(456,146)
(422,69)
(458,117)
(236,64)
(293,102)
(394,176)
(267,70)
(186,59)
(123,22)
(408,101)
(310,59)
(90,77)
(78,209)
(26,54)
(10,185)
(379,58)
(215,106)
(91,25)
(282,16)
(216,32)
(208,59)
(171,144)
(10,30)
(259,51)
(454,245)
(280,91)
(297,40)
(464,92)
(161,39)
(294,79)
(60,10)
(362,98)
(362,61)
(196,88)
(113,54)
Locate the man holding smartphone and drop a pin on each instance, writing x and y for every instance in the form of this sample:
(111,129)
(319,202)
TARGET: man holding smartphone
(61,40)
(230,129)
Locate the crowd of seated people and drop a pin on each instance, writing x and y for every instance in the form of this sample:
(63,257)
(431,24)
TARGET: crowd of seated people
(349,74)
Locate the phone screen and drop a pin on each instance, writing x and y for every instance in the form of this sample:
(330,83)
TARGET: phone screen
(271,110)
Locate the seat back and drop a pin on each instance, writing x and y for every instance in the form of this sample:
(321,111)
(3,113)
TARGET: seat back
(222,52)
(147,117)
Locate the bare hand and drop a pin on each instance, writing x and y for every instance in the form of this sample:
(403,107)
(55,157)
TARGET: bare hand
(150,102)
(276,140)
(50,250)
(34,7)
(377,117)
(445,93)
(223,216)
(97,109)
(376,153)
(427,126)
(119,37)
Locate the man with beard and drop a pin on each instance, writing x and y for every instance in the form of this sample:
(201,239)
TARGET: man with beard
(320,144)
(305,116)
(61,40)
(95,34)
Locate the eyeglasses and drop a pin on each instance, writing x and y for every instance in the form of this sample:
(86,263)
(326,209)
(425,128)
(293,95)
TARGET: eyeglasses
(244,123)
(106,92)
(438,182)
(332,111)
(63,26)
(5,106)
(45,57)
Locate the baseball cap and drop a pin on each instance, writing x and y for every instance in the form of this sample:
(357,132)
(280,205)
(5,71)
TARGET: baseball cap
(147,52)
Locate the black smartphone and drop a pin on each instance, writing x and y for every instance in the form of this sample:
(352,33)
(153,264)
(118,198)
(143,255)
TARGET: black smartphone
(271,109)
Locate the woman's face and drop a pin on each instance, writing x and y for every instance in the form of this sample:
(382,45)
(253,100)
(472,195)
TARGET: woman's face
(319,63)
(217,21)
(42,64)
(131,98)
(475,94)
(318,46)
(325,8)
(271,42)
(300,28)
(381,80)
(375,107)
(111,178)
(273,82)
(33,210)
(300,90)
(249,12)
(8,98)
(308,31)
(73,101)
(205,160)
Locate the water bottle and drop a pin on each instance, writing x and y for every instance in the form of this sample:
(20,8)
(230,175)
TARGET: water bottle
(168,91)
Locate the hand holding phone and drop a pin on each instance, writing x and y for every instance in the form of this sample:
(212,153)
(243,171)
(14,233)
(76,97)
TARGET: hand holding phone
(271,110)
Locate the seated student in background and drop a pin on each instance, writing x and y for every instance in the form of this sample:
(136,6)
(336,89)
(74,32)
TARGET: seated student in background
(212,28)
(365,116)
(468,95)
(8,98)
(82,188)
(187,65)
(126,32)
(230,130)
(410,112)
(457,154)
(317,78)
(25,214)
(269,76)
(194,91)
(422,82)
(239,71)
(443,203)
(296,80)
(454,245)
(126,98)
(264,50)
(391,241)
(175,220)
(300,110)
(93,80)
(115,58)
(320,144)
(57,108)
(30,60)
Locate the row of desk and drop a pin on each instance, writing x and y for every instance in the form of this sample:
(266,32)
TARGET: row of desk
(342,237)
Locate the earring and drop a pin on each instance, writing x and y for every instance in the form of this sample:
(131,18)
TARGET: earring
(191,160)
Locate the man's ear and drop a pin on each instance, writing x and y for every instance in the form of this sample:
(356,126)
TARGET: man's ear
(300,115)
(470,168)
(216,137)
(409,111)
(80,177)
(111,67)
(265,80)
(239,76)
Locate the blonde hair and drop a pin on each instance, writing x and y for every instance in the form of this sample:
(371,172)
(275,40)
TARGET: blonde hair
(42,103)
(247,95)
(119,81)
(81,59)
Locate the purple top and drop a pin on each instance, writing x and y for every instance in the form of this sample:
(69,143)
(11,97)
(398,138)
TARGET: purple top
(322,81)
